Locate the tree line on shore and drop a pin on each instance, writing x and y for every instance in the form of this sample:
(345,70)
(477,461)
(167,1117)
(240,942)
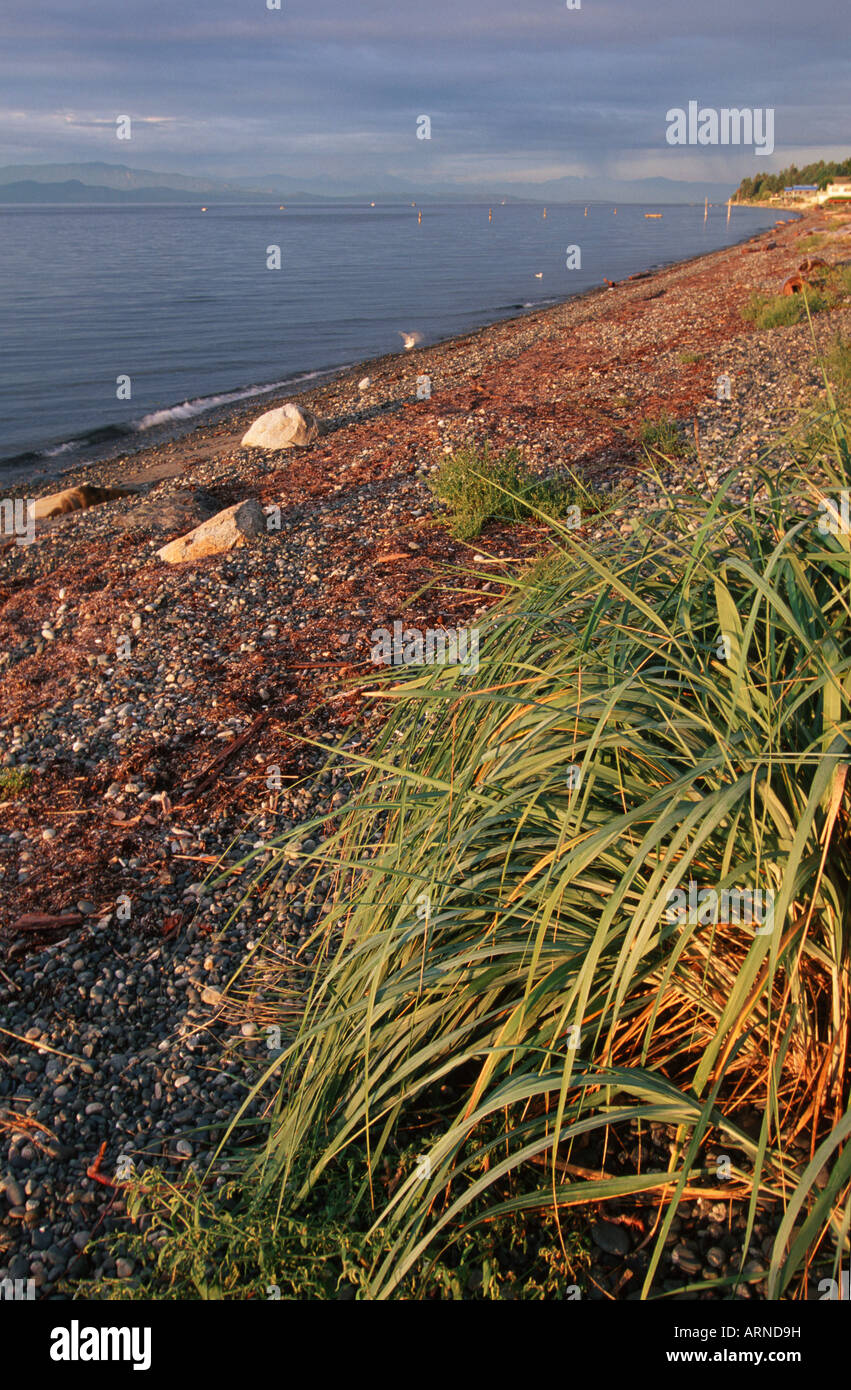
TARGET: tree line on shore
(763,185)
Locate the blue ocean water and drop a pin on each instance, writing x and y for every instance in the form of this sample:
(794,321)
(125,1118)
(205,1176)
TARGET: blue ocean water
(183,302)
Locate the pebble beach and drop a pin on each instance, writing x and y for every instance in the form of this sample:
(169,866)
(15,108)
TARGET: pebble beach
(143,704)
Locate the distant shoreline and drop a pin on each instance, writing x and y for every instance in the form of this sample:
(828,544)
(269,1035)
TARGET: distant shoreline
(779,207)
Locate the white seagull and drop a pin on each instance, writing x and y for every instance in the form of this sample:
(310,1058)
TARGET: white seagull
(410,339)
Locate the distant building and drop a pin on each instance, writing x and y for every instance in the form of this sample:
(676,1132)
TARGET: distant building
(838,191)
(795,193)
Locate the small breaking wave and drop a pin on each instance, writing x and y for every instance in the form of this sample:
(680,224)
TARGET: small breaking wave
(189,409)
(56,450)
(170,415)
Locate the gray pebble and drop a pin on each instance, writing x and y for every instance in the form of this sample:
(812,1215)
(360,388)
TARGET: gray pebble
(686,1259)
(13,1193)
(610,1237)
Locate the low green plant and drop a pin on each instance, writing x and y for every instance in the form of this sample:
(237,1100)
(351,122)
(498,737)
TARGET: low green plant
(689,358)
(838,367)
(783,310)
(813,242)
(662,435)
(477,487)
(190,1241)
(14,781)
(839,280)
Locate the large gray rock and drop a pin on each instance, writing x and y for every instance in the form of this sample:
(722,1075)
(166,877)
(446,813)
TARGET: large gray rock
(288,427)
(224,531)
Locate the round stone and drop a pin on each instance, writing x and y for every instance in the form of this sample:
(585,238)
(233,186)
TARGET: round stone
(686,1259)
(610,1237)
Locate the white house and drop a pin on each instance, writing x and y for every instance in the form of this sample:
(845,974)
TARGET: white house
(839,191)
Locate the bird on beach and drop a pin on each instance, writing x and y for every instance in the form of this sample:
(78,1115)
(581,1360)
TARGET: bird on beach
(539,275)
(365,383)
(410,339)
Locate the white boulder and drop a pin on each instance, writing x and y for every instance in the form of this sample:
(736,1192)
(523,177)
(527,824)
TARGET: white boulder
(288,427)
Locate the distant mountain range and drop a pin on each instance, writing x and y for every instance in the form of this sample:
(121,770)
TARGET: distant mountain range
(118,184)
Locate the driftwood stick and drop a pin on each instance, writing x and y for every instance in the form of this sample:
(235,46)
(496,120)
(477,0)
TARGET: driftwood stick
(47,921)
(196,785)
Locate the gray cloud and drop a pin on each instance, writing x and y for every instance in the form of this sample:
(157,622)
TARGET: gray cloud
(325,87)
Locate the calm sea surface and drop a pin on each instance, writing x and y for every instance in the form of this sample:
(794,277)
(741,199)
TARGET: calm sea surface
(182,302)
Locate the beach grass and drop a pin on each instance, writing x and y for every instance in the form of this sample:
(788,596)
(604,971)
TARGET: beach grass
(512,982)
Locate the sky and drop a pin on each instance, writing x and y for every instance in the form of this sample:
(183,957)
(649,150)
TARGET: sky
(517,91)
